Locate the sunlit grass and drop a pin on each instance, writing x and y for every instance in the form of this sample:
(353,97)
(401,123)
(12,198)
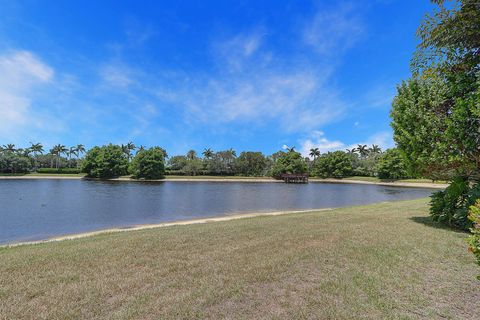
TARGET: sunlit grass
(381,261)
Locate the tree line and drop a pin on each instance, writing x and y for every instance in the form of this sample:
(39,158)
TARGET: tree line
(117,160)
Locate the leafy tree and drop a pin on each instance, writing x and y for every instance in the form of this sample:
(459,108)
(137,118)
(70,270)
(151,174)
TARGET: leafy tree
(193,167)
(222,163)
(148,164)
(337,164)
(474,239)
(391,165)
(177,163)
(11,162)
(251,163)
(105,162)
(288,162)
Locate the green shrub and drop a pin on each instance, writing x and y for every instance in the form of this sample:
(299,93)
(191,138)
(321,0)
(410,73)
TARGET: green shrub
(288,162)
(59,170)
(148,164)
(474,239)
(391,165)
(105,162)
(451,206)
(336,164)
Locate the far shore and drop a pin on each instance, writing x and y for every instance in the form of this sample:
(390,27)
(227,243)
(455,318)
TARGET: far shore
(411,183)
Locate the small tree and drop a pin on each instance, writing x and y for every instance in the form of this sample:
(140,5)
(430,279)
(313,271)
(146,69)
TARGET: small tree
(148,164)
(105,162)
(391,165)
(336,164)
(474,239)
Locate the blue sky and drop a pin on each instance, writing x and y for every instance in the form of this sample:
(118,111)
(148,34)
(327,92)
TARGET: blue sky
(248,75)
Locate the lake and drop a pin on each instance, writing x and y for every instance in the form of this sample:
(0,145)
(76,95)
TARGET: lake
(39,209)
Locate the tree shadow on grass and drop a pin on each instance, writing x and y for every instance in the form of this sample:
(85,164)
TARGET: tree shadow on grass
(428,221)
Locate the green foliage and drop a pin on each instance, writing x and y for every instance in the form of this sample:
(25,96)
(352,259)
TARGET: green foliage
(337,164)
(474,239)
(251,164)
(105,162)
(11,162)
(288,162)
(391,165)
(58,171)
(148,164)
(451,205)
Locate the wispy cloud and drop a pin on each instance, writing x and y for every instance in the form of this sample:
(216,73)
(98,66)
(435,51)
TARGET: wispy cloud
(320,141)
(22,73)
(333,30)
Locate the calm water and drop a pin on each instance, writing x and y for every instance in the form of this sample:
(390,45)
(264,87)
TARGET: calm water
(39,209)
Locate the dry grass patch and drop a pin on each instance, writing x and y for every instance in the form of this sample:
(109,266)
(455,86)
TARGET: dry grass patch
(380,261)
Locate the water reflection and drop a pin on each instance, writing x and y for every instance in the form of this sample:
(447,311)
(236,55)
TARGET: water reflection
(38,209)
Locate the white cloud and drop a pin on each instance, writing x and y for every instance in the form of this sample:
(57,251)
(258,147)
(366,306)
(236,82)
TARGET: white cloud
(21,73)
(334,30)
(117,75)
(320,141)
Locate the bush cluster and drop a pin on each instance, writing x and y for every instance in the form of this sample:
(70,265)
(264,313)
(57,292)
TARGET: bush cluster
(451,205)
(474,239)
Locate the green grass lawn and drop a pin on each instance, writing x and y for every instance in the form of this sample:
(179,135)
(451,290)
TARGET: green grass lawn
(383,261)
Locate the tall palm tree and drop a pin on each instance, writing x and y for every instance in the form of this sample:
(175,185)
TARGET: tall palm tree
(291,149)
(351,151)
(58,150)
(9,147)
(70,152)
(80,148)
(207,153)
(36,148)
(191,155)
(314,152)
(141,148)
(375,149)
(232,152)
(362,150)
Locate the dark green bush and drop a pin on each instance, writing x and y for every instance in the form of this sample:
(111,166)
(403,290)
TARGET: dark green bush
(451,206)
(336,164)
(105,162)
(58,171)
(288,162)
(391,165)
(148,164)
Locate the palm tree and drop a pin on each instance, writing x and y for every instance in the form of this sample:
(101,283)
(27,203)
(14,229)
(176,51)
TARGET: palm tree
(80,148)
(207,153)
(375,149)
(9,147)
(58,150)
(292,149)
(314,152)
(36,148)
(351,151)
(141,148)
(362,149)
(191,155)
(232,152)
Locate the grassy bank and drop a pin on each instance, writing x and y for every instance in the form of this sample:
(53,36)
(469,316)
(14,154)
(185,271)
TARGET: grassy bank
(379,261)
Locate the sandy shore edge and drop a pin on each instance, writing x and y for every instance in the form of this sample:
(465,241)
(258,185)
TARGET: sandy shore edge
(266,180)
(161,225)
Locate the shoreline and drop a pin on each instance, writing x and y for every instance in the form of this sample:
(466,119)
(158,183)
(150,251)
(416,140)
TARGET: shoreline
(227,179)
(235,216)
